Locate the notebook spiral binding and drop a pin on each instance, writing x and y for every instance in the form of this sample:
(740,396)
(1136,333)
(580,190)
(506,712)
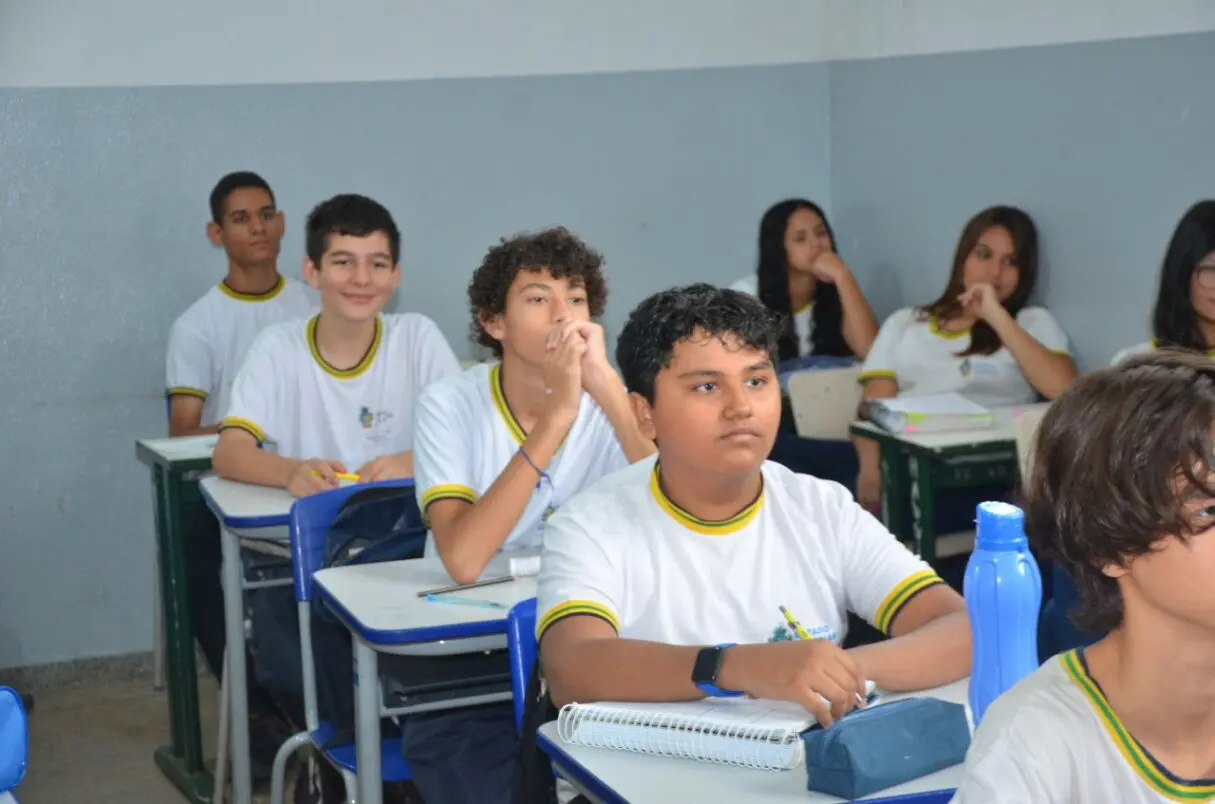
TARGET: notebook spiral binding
(757,747)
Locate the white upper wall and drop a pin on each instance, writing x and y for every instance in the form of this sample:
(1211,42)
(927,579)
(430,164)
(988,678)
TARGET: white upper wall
(162,42)
(866,29)
(169,42)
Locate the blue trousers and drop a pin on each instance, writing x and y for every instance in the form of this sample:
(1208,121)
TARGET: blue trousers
(463,756)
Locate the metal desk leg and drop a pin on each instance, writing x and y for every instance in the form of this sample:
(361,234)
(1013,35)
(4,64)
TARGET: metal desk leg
(923,496)
(238,696)
(367,722)
(896,493)
(181,761)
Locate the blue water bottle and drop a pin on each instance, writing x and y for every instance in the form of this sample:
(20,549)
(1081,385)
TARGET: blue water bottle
(1003,589)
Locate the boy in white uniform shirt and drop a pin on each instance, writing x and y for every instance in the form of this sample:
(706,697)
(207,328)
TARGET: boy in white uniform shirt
(664,581)
(500,447)
(207,344)
(1122,495)
(335,393)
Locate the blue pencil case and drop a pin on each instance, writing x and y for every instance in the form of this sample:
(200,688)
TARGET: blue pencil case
(871,749)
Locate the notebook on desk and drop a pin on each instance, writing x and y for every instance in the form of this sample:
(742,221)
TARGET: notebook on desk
(732,731)
(933,413)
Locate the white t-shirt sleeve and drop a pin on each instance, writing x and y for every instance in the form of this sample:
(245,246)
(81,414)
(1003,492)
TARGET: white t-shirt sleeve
(190,362)
(879,364)
(879,574)
(255,403)
(442,455)
(748,284)
(579,573)
(1040,324)
(436,359)
(1018,755)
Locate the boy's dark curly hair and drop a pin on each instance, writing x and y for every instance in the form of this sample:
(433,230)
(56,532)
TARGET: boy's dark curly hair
(647,342)
(558,249)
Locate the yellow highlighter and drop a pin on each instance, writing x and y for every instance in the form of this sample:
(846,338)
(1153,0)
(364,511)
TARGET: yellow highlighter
(802,633)
(341,476)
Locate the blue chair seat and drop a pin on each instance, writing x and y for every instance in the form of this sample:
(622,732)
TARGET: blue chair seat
(393,766)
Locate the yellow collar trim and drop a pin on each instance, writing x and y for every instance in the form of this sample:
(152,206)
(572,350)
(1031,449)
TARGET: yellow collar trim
(498,392)
(358,368)
(704,526)
(1144,764)
(804,307)
(934,326)
(253,297)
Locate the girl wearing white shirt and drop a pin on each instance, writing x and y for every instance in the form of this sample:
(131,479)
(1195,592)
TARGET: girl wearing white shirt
(1185,304)
(801,276)
(978,339)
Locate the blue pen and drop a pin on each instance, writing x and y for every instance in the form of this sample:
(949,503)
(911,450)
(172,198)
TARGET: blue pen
(464,601)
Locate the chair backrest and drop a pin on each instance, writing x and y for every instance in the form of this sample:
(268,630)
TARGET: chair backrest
(1027,430)
(309,522)
(521,640)
(824,401)
(14,739)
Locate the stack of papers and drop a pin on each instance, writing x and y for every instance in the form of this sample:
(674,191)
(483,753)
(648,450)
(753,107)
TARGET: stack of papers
(933,413)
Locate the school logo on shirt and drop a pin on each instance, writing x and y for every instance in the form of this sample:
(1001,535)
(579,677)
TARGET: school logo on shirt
(964,367)
(783,633)
(366,418)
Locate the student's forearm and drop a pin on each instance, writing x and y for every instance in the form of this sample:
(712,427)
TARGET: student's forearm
(253,465)
(935,654)
(860,325)
(868,451)
(620,670)
(1048,372)
(467,543)
(616,407)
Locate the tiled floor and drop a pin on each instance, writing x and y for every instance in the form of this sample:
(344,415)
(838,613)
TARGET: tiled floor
(94,744)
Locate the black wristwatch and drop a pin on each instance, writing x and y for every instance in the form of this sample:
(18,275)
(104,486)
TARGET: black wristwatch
(708,665)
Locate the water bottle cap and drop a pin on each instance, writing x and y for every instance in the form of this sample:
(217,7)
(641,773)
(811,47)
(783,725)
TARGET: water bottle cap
(1000,526)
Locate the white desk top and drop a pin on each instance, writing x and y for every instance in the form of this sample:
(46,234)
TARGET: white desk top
(1005,429)
(243,505)
(380,602)
(181,449)
(644,779)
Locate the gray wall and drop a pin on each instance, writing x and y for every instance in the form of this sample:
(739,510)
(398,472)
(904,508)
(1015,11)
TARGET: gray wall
(101,246)
(1105,144)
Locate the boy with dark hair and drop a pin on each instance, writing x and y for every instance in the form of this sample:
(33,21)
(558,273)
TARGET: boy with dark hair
(500,447)
(209,341)
(335,393)
(207,344)
(1122,494)
(630,564)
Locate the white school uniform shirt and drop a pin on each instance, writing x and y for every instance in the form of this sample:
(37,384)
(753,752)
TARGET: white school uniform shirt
(803,318)
(922,358)
(287,395)
(623,552)
(1054,739)
(208,342)
(1143,349)
(466,434)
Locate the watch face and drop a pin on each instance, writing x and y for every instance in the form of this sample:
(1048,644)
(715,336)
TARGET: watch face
(705,669)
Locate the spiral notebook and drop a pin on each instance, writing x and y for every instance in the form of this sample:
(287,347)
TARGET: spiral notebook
(746,732)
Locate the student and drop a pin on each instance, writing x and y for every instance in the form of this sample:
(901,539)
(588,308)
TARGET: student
(802,278)
(827,321)
(1122,494)
(503,445)
(979,338)
(208,342)
(206,346)
(335,393)
(664,581)
(1185,303)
